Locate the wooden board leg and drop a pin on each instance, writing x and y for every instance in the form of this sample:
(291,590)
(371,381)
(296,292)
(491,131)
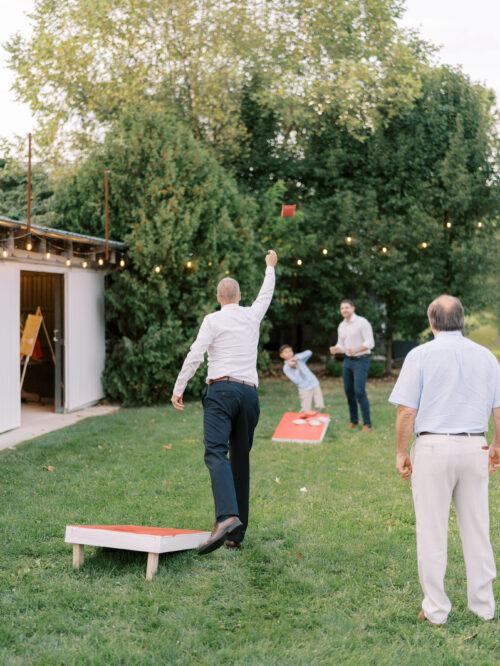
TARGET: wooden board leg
(152,565)
(77,555)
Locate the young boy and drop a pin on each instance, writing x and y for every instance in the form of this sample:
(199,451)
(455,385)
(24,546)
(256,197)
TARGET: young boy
(295,368)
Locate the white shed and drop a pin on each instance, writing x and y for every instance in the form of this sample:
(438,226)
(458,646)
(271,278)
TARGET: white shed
(62,273)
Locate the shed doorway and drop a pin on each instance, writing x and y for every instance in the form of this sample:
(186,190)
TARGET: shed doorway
(43,388)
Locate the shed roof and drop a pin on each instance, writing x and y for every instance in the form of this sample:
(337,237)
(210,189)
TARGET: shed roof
(48,232)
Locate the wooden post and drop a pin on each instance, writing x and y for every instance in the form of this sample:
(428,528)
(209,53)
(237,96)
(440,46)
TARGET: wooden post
(152,565)
(28,212)
(106,215)
(77,555)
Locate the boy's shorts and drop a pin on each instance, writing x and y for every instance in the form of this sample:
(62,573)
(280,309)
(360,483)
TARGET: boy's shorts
(307,397)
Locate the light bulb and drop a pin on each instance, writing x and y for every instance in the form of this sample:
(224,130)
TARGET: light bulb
(348,240)
(325,251)
(157,269)
(227,272)
(68,262)
(448,225)
(209,264)
(5,254)
(479,225)
(299,262)
(85,264)
(189,264)
(122,263)
(384,250)
(424,245)
(101,262)
(29,247)
(47,255)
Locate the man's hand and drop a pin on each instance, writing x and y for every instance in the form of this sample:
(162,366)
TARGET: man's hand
(351,351)
(494,459)
(334,350)
(271,258)
(403,465)
(178,402)
(292,363)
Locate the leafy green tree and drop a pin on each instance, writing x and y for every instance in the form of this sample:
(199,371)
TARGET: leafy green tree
(87,59)
(14,192)
(179,211)
(416,199)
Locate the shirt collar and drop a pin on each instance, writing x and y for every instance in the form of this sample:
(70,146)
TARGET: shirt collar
(446,333)
(230,305)
(353,318)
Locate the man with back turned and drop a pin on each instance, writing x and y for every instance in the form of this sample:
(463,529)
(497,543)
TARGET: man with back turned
(230,336)
(446,392)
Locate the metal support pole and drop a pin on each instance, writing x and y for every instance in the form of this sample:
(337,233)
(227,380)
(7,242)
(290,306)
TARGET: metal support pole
(28,212)
(106,215)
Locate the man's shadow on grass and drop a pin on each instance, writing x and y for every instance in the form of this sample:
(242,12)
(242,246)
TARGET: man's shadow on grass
(113,560)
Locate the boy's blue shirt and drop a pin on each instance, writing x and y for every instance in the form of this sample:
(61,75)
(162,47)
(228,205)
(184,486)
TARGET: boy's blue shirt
(304,379)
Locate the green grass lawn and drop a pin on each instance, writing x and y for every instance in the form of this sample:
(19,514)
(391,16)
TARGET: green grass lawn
(326,577)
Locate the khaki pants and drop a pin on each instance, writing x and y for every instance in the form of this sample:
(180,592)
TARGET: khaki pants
(447,468)
(307,397)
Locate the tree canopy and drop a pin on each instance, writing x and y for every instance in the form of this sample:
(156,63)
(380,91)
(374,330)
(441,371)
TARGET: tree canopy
(87,59)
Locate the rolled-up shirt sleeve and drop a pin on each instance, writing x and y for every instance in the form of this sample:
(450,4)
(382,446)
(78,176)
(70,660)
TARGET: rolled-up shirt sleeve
(367,333)
(194,357)
(304,356)
(261,304)
(408,388)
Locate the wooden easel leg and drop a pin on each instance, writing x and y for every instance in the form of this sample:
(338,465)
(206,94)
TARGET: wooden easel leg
(26,361)
(77,555)
(152,565)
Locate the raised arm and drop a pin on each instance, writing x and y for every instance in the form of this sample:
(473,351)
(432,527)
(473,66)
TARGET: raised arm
(263,301)
(192,361)
(304,356)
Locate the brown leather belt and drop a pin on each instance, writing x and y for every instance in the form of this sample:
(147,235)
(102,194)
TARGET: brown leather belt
(231,379)
(454,434)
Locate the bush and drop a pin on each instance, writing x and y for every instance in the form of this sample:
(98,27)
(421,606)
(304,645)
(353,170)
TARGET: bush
(334,368)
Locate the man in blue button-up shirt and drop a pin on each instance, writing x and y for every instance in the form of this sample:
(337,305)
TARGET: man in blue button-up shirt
(446,393)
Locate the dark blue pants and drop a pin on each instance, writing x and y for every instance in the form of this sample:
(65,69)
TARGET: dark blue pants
(230,415)
(355,374)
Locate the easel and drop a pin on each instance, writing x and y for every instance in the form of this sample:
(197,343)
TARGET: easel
(29,338)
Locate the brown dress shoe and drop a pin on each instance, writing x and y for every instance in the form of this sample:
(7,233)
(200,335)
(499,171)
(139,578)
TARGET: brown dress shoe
(233,545)
(219,534)
(352,426)
(367,428)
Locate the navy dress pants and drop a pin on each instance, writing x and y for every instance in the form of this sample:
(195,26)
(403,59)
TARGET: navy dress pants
(230,414)
(355,374)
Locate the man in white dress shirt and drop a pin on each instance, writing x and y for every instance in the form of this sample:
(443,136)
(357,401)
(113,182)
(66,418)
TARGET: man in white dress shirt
(355,340)
(230,336)
(446,392)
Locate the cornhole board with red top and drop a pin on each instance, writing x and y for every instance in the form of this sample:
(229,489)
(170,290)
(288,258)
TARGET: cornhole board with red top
(150,540)
(288,431)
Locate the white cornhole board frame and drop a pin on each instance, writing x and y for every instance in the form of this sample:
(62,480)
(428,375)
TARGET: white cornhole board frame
(150,540)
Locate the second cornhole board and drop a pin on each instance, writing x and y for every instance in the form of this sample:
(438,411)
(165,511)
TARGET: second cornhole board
(288,431)
(150,540)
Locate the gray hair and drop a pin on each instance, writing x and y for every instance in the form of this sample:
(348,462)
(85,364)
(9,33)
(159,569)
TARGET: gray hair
(446,313)
(228,290)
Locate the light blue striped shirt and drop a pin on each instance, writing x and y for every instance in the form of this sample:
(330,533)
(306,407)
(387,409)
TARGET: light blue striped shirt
(452,382)
(301,375)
